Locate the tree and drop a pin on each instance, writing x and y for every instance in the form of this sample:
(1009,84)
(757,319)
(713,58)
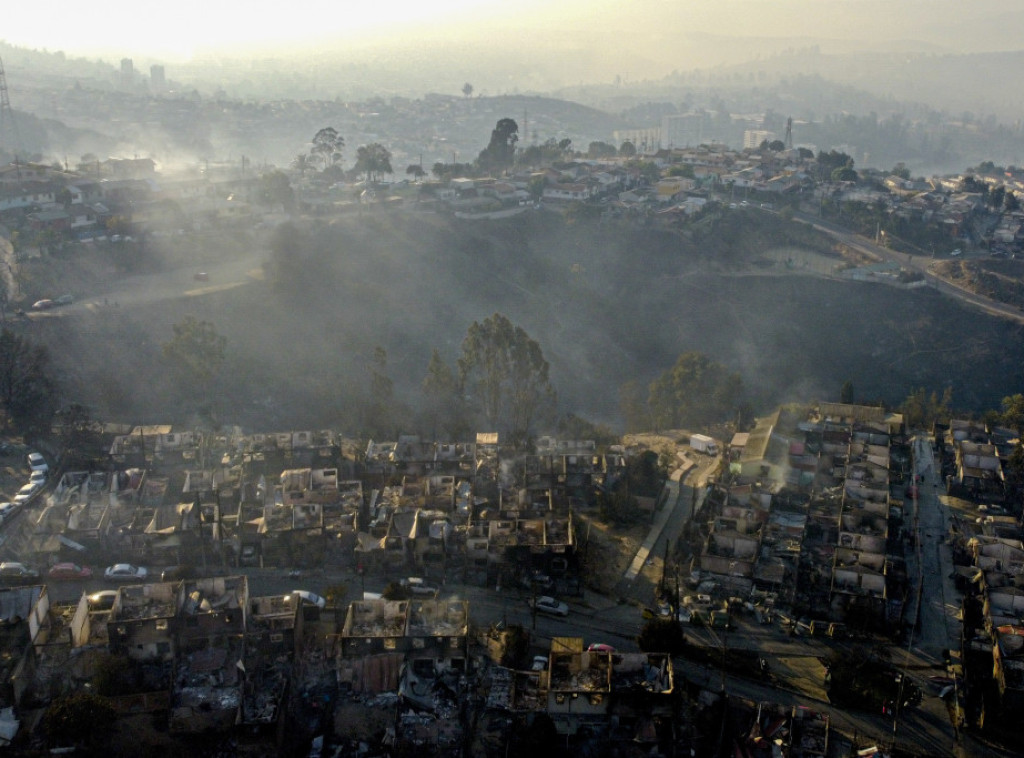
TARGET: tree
(1013,413)
(79,435)
(660,635)
(467,89)
(441,398)
(501,150)
(80,719)
(505,369)
(601,150)
(627,149)
(276,189)
(28,394)
(373,160)
(921,410)
(1011,202)
(327,146)
(382,394)
(302,164)
(846,392)
(415,170)
(844,174)
(694,392)
(395,591)
(196,350)
(776,146)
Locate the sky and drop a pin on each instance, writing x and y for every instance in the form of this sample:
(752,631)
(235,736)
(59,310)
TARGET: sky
(181,30)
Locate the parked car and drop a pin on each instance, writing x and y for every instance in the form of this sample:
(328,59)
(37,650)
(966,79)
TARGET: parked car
(14,572)
(547,604)
(102,600)
(125,572)
(177,573)
(418,586)
(64,300)
(7,510)
(69,571)
(27,492)
(305,596)
(540,662)
(600,647)
(37,462)
(37,476)
(42,305)
(202,276)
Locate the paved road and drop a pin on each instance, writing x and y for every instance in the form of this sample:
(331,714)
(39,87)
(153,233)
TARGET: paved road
(919,264)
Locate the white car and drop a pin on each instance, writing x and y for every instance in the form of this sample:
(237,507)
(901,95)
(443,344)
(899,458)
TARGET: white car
(418,586)
(37,476)
(547,604)
(312,598)
(27,492)
(37,462)
(540,663)
(7,510)
(125,572)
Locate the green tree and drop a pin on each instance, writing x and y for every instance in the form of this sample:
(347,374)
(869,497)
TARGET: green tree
(395,591)
(196,350)
(467,89)
(79,435)
(501,150)
(441,396)
(373,160)
(327,146)
(776,146)
(662,635)
(382,395)
(633,406)
(28,393)
(82,719)
(685,170)
(627,149)
(535,186)
(275,189)
(844,174)
(921,410)
(601,150)
(1013,413)
(618,505)
(302,163)
(415,170)
(846,392)
(696,391)
(505,369)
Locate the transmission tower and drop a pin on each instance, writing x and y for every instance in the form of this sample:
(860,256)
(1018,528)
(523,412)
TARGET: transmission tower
(789,133)
(8,132)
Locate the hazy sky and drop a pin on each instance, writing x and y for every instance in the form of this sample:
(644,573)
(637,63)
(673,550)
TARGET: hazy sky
(178,30)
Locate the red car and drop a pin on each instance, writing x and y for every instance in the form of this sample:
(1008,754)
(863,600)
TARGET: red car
(69,571)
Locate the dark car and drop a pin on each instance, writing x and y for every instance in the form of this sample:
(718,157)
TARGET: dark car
(12,572)
(177,573)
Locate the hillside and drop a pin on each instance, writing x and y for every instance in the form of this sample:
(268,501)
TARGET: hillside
(607,305)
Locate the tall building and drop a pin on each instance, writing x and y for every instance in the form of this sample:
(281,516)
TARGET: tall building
(752,138)
(157,78)
(644,140)
(127,73)
(683,130)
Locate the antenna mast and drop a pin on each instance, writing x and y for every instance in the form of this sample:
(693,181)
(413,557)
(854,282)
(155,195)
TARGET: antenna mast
(7,118)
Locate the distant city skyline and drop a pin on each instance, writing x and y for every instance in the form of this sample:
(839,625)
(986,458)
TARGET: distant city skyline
(657,30)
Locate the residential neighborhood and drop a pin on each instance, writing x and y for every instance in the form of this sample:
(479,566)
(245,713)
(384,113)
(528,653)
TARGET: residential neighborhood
(816,528)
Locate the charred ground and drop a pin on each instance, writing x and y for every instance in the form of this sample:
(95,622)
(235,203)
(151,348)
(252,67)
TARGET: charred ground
(608,304)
